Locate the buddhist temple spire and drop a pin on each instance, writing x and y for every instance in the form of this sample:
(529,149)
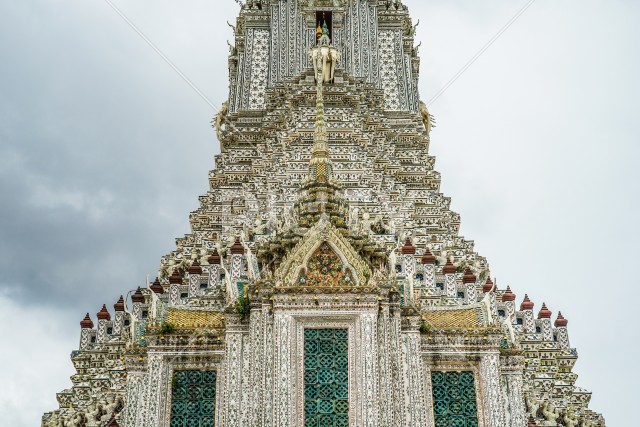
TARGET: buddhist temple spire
(320,166)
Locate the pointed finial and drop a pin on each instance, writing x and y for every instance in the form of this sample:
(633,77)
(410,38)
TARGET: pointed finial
(214,258)
(561,322)
(138,296)
(104,313)
(428,257)
(508,295)
(488,286)
(469,277)
(449,268)
(527,304)
(545,313)
(408,248)
(86,323)
(157,287)
(195,267)
(175,278)
(237,248)
(119,306)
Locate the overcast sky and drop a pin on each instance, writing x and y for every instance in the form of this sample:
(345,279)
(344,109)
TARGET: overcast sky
(104,151)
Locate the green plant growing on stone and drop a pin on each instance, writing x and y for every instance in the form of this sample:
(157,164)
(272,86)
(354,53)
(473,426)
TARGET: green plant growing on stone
(243,308)
(167,328)
(424,328)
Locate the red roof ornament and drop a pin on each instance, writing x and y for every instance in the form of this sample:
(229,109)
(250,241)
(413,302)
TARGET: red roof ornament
(428,257)
(561,322)
(175,278)
(449,268)
(86,323)
(532,422)
(469,277)
(545,313)
(214,258)
(137,297)
(237,248)
(488,286)
(508,295)
(195,267)
(527,304)
(104,313)
(157,287)
(408,248)
(119,306)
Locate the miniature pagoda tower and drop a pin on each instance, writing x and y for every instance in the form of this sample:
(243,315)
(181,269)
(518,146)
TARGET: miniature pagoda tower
(324,282)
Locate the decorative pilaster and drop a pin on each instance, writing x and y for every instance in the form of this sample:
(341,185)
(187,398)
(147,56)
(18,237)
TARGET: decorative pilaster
(513,393)
(369,371)
(153,387)
(415,405)
(233,373)
(283,380)
(256,370)
(397,371)
(384,366)
(492,390)
(268,346)
(135,385)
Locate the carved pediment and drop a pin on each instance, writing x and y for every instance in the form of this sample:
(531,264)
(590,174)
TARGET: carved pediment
(326,269)
(323,258)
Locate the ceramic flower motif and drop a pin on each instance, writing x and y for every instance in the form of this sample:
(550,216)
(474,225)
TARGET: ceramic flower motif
(325,269)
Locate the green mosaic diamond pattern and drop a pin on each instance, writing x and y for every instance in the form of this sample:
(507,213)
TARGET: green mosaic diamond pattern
(326,378)
(454,399)
(194,399)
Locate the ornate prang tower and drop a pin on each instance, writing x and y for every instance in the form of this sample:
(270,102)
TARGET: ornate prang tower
(324,282)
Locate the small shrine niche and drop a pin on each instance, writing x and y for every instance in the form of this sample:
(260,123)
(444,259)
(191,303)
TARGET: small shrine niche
(324,19)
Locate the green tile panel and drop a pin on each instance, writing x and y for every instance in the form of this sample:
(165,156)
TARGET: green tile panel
(326,378)
(193,402)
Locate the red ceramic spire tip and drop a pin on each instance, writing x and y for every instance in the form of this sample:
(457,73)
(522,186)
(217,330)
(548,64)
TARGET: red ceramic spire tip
(214,258)
(408,248)
(104,313)
(488,286)
(544,313)
(175,278)
(508,295)
(532,422)
(527,304)
(137,297)
(449,268)
(195,267)
(119,306)
(237,248)
(561,322)
(157,287)
(428,257)
(469,277)
(86,323)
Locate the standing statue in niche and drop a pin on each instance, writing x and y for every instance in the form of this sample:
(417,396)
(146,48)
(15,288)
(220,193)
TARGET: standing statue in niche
(324,56)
